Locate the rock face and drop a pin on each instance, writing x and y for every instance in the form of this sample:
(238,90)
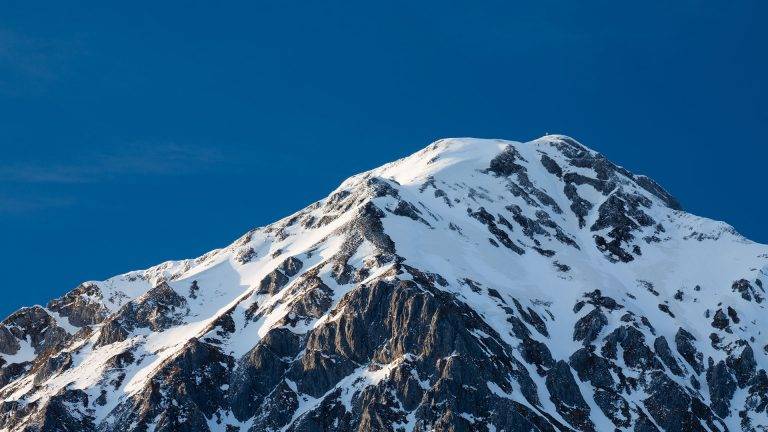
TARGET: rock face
(477,285)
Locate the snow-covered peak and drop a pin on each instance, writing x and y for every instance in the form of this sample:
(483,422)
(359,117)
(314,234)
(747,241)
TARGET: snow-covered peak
(538,277)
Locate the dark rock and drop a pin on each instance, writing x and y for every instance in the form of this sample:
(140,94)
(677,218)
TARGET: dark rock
(747,291)
(665,308)
(260,371)
(588,327)
(665,353)
(8,343)
(590,366)
(596,298)
(635,353)
(565,394)
(722,386)
(182,394)
(35,325)
(720,321)
(684,342)
(52,366)
(245,255)
(532,318)
(487,219)
(273,283)
(537,353)
(66,411)
(742,362)
(579,205)
(406,209)
(158,309)
(551,166)
(758,393)
(291,266)
(504,164)
(654,188)
(672,408)
(82,306)
(614,407)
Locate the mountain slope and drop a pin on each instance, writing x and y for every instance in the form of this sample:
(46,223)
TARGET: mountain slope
(480,285)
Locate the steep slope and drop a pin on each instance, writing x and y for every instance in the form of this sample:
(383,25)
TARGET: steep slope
(477,285)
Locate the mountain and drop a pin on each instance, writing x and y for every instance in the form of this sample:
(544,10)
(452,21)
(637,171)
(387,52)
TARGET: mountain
(476,285)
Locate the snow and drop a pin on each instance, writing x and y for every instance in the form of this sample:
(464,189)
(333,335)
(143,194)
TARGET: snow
(679,262)
(25,352)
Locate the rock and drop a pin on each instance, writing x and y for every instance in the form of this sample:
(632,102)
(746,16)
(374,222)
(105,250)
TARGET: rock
(260,371)
(614,407)
(36,326)
(720,321)
(742,362)
(551,165)
(635,353)
(245,255)
(504,164)
(665,353)
(673,409)
(82,306)
(183,393)
(565,394)
(8,343)
(684,342)
(52,366)
(757,400)
(590,366)
(291,266)
(746,290)
(722,386)
(159,309)
(589,326)
(273,283)
(487,219)
(598,299)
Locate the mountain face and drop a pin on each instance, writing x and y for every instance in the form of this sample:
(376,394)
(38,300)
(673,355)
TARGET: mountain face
(477,285)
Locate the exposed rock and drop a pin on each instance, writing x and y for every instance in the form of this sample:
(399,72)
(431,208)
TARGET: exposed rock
(588,327)
(273,283)
(685,346)
(590,366)
(722,386)
(291,266)
(742,362)
(567,398)
(665,353)
(159,309)
(720,321)
(82,306)
(747,291)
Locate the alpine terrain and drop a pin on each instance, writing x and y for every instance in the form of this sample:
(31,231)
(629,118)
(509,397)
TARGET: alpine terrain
(477,285)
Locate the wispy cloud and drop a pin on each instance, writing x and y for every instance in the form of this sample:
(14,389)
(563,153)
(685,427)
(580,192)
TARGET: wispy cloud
(137,159)
(14,205)
(29,63)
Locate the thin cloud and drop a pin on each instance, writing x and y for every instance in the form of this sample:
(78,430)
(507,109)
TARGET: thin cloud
(13,205)
(138,159)
(30,63)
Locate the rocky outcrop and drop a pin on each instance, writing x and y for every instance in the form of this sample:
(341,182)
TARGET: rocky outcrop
(160,308)
(82,306)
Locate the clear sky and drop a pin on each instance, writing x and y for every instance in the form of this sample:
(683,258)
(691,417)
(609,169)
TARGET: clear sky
(138,133)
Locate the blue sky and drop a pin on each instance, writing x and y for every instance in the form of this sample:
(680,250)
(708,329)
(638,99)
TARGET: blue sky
(134,134)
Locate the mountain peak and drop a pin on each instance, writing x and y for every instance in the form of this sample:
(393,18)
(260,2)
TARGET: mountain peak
(478,284)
